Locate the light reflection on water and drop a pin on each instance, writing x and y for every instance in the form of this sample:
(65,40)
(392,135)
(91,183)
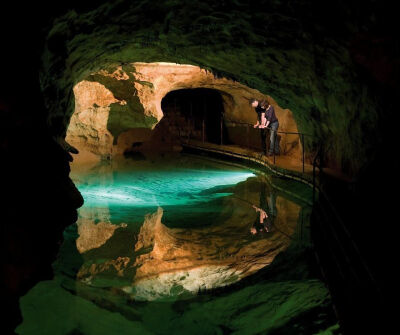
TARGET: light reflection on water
(137,269)
(156,231)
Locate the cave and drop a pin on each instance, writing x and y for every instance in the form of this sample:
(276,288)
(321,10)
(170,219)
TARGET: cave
(199,107)
(138,195)
(119,110)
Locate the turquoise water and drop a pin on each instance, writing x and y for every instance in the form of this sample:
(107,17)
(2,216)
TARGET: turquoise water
(157,238)
(159,188)
(184,186)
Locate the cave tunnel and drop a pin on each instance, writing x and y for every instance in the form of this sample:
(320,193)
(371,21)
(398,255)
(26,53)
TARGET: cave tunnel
(186,236)
(199,107)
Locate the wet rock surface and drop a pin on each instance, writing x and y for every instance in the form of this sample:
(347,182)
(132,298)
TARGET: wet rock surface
(104,126)
(367,29)
(189,271)
(295,54)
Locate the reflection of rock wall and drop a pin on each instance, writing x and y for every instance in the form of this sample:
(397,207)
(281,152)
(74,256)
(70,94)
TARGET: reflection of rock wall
(103,124)
(94,228)
(206,258)
(159,261)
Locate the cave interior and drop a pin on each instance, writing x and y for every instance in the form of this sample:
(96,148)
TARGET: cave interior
(197,106)
(333,77)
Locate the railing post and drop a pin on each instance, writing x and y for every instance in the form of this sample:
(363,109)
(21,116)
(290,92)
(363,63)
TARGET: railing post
(302,145)
(191,123)
(188,132)
(204,113)
(248,135)
(273,148)
(203,130)
(222,115)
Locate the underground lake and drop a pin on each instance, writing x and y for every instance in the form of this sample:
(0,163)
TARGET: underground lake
(176,244)
(198,167)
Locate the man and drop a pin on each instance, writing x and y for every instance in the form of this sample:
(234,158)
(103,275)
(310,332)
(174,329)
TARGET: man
(273,122)
(267,118)
(260,121)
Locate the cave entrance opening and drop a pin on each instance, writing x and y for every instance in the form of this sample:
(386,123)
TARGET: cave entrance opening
(196,112)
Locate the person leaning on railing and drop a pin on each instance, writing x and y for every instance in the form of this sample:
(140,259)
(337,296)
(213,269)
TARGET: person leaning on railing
(266,119)
(273,123)
(260,121)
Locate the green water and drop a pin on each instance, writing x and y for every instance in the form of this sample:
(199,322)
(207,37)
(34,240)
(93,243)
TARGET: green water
(174,245)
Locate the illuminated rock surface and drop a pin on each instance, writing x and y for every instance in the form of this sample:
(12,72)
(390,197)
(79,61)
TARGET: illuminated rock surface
(301,64)
(336,73)
(103,125)
(183,258)
(94,228)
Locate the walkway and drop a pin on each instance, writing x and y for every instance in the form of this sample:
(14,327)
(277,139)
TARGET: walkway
(284,165)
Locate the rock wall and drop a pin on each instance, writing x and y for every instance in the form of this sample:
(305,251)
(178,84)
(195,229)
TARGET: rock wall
(103,125)
(293,53)
(147,262)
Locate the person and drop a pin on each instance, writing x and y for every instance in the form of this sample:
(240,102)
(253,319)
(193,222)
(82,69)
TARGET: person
(261,120)
(273,122)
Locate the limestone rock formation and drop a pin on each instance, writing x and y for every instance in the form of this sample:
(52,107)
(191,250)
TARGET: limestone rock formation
(162,262)
(292,59)
(93,235)
(102,126)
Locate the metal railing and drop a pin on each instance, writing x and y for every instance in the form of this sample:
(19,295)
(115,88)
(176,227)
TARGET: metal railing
(223,121)
(301,137)
(345,252)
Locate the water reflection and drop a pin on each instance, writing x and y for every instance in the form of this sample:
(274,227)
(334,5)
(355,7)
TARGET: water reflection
(199,238)
(267,211)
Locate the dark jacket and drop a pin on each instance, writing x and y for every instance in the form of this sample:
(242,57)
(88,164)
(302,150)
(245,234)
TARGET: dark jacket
(259,110)
(270,114)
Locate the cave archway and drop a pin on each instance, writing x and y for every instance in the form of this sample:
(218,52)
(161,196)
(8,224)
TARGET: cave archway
(199,111)
(130,108)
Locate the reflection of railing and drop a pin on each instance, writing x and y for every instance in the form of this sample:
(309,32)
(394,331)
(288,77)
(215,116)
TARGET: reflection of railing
(333,241)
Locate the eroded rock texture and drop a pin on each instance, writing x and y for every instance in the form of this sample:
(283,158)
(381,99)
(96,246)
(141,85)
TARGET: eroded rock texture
(285,51)
(103,125)
(206,258)
(158,261)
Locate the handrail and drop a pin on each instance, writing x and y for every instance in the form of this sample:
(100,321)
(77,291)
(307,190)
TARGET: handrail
(317,162)
(301,135)
(282,132)
(247,124)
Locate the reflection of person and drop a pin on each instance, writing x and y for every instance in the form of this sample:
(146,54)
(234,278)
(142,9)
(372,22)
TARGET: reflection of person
(272,203)
(260,108)
(261,223)
(265,221)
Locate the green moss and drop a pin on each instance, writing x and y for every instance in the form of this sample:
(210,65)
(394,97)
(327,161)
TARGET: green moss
(314,77)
